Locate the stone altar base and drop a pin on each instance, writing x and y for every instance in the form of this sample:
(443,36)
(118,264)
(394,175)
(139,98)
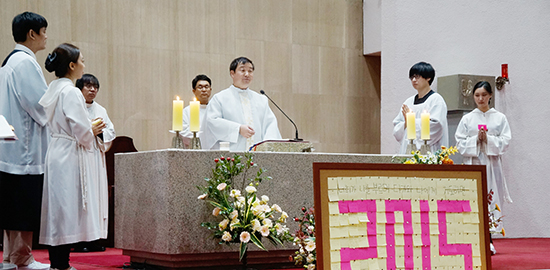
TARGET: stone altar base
(158,215)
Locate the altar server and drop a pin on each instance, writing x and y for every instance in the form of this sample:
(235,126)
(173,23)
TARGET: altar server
(238,114)
(422,75)
(22,85)
(70,208)
(202,88)
(482,137)
(89,85)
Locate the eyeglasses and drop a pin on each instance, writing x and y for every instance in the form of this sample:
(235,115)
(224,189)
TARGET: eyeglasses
(203,87)
(91,85)
(416,77)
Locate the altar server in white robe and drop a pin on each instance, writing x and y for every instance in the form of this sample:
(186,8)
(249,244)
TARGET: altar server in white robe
(70,209)
(422,75)
(482,137)
(22,84)
(202,88)
(89,85)
(239,115)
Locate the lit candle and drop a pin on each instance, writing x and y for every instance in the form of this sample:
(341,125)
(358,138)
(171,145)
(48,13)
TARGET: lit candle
(425,121)
(177,114)
(194,115)
(411,125)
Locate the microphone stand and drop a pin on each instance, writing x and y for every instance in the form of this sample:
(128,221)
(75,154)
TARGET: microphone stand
(297,139)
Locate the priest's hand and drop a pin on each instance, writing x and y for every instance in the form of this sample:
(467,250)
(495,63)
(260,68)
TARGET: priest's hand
(97,126)
(246,131)
(404,110)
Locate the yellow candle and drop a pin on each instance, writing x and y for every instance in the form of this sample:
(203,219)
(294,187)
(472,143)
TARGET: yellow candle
(194,115)
(425,121)
(411,125)
(177,114)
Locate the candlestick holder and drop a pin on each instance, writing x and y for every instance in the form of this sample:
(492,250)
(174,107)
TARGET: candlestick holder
(177,142)
(424,148)
(195,142)
(411,147)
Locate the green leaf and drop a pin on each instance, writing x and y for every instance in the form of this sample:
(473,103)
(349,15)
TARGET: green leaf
(242,251)
(257,241)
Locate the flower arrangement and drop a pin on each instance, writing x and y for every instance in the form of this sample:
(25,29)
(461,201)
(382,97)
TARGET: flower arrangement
(495,216)
(243,217)
(305,238)
(441,156)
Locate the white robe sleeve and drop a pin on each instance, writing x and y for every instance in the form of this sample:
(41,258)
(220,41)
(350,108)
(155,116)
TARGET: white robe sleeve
(108,132)
(34,85)
(77,117)
(438,121)
(217,128)
(466,143)
(185,119)
(399,127)
(498,142)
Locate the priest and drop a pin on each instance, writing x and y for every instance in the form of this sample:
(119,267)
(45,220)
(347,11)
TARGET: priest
(239,115)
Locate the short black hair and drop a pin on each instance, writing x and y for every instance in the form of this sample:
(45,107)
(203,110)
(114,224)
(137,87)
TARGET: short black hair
(24,22)
(60,59)
(200,77)
(483,84)
(87,79)
(423,69)
(239,60)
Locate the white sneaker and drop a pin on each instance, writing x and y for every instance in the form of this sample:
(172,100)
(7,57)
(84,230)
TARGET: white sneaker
(35,266)
(493,250)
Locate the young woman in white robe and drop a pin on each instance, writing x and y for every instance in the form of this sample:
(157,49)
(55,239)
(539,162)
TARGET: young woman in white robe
(70,212)
(482,137)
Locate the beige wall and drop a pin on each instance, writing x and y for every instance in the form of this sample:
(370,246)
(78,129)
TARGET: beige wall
(307,53)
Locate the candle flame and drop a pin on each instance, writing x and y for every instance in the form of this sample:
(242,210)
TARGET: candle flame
(194,98)
(177,98)
(425,111)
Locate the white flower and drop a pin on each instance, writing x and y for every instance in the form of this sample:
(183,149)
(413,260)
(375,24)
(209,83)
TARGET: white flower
(311,267)
(283,217)
(310,245)
(216,211)
(280,229)
(221,186)
(245,237)
(226,236)
(234,215)
(310,258)
(277,208)
(311,228)
(241,199)
(202,197)
(233,223)
(235,193)
(265,198)
(264,231)
(267,222)
(250,189)
(256,225)
(223,224)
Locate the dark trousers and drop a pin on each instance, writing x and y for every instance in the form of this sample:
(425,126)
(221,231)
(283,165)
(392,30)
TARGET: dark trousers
(59,256)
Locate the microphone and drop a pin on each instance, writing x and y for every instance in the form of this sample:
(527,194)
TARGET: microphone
(297,139)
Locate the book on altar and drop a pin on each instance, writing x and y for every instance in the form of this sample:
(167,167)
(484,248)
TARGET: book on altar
(286,145)
(6,131)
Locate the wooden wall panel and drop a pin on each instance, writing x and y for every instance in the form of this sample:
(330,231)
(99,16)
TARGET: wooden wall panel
(307,53)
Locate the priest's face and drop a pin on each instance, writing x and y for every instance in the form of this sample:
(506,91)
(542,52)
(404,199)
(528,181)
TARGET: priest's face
(202,91)
(89,91)
(242,75)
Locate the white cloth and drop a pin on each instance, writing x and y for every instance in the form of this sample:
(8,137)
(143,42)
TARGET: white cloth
(98,172)
(490,153)
(70,211)
(224,116)
(22,84)
(439,131)
(186,120)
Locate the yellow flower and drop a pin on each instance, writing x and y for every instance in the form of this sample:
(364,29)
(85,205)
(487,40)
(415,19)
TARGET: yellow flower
(498,208)
(503,232)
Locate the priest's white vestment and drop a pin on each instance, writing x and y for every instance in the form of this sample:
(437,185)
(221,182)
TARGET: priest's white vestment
(489,153)
(70,210)
(225,114)
(439,131)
